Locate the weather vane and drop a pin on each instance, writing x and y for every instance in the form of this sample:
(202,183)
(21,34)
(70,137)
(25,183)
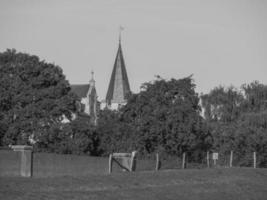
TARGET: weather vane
(92,74)
(120,30)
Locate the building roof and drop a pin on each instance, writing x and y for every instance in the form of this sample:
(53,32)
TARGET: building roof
(80,90)
(119,87)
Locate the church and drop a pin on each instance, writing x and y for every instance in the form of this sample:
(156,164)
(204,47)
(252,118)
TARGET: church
(117,93)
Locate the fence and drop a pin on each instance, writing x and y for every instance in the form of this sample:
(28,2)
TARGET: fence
(201,160)
(9,162)
(50,164)
(220,159)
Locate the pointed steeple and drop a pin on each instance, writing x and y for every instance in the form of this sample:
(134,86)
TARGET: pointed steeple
(119,87)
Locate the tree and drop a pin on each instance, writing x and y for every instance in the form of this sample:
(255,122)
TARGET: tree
(237,120)
(114,134)
(77,137)
(255,95)
(222,108)
(222,104)
(35,96)
(165,116)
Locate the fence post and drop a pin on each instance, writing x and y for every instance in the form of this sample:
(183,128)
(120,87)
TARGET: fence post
(254,159)
(157,161)
(110,164)
(26,162)
(231,159)
(133,161)
(208,159)
(183,162)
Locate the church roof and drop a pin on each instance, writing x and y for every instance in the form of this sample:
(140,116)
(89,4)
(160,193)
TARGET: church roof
(119,87)
(80,90)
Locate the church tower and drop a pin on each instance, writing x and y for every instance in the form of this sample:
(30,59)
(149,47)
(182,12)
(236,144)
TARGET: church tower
(88,103)
(91,109)
(119,87)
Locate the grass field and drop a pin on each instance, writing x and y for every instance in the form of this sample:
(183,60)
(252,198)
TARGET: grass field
(222,184)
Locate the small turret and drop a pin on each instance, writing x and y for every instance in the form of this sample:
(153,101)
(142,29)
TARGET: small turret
(92,80)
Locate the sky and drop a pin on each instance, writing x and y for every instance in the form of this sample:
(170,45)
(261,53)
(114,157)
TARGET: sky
(219,42)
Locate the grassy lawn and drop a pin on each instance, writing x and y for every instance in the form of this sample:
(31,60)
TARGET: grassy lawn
(237,183)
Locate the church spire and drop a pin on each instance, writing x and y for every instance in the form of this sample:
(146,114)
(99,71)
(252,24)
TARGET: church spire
(119,87)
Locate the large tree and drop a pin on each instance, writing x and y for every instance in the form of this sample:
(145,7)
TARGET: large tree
(237,120)
(222,108)
(34,96)
(164,116)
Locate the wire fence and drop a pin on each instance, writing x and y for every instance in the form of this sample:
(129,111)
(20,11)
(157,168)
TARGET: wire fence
(201,160)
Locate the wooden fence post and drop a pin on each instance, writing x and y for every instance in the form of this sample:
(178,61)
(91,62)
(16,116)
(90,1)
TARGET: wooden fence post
(110,164)
(231,159)
(157,161)
(208,159)
(183,162)
(254,159)
(133,161)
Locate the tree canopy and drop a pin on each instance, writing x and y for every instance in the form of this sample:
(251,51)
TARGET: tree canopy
(164,116)
(35,96)
(237,118)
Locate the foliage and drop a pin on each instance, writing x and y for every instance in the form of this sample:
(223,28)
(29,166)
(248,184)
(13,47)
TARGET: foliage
(164,116)
(237,119)
(255,95)
(76,137)
(34,97)
(222,104)
(114,134)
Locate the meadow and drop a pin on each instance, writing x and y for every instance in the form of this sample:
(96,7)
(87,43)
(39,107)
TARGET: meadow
(189,184)
(66,177)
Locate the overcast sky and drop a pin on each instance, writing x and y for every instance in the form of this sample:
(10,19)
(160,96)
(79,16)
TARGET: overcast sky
(220,42)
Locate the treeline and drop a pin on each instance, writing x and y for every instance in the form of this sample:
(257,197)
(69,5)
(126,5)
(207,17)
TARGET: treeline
(167,116)
(237,119)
